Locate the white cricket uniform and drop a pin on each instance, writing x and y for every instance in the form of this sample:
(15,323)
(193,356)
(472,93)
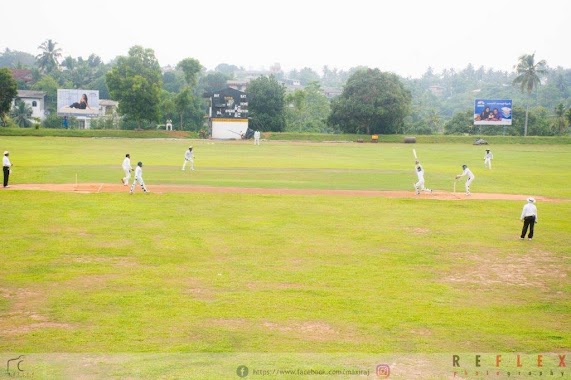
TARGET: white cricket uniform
(188,157)
(529,210)
(488,157)
(471,176)
(139,179)
(419,186)
(420,174)
(127,169)
(257,138)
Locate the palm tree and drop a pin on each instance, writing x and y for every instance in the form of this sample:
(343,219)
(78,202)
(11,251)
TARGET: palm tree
(528,77)
(48,59)
(21,114)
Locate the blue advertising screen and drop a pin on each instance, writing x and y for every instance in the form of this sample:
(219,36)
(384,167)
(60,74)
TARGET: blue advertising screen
(493,112)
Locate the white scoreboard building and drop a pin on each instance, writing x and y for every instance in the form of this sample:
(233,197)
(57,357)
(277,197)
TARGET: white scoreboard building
(229,114)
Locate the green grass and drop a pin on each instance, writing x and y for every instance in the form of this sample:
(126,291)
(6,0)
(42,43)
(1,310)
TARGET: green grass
(109,133)
(240,274)
(288,136)
(292,165)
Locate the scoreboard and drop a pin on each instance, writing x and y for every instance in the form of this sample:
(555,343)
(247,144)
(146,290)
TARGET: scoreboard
(230,103)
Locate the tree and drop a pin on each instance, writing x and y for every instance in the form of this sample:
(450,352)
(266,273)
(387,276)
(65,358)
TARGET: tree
(185,99)
(214,81)
(8,91)
(49,85)
(560,115)
(182,101)
(227,69)
(21,114)
(18,59)
(266,103)
(191,68)
(48,59)
(308,109)
(529,77)
(371,102)
(135,82)
(461,123)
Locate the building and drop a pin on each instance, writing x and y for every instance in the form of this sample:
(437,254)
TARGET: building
(35,99)
(107,107)
(228,114)
(22,75)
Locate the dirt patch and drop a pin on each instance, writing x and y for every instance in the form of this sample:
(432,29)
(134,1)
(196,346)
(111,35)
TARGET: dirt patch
(309,330)
(89,188)
(23,314)
(196,290)
(488,269)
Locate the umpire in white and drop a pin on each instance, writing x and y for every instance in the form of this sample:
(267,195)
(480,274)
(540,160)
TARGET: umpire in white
(529,217)
(6,165)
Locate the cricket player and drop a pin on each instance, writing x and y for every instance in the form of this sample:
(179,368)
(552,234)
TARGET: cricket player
(188,157)
(471,176)
(419,186)
(6,167)
(139,178)
(529,217)
(257,138)
(488,157)
(127,169)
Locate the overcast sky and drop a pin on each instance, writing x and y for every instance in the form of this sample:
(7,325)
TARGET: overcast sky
(402,36)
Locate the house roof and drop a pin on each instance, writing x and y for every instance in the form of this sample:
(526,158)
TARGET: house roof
(31,94)
(108,103)
(24,75)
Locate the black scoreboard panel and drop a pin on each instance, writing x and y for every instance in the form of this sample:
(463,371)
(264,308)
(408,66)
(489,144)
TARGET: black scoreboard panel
(230,103)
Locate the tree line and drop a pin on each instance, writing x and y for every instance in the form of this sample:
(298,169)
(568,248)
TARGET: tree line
(368,100)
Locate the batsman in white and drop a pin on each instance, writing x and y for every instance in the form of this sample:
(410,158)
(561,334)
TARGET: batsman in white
(471,176)
(419,186)
(139,178)
(188,157)
(127,169)
(488,157)
(257,138)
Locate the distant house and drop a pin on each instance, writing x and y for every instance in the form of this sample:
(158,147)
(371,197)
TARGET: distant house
(436,90)
(240,85)
(35,99)
(331,92)
(167,69)
(22,75)
(107,107)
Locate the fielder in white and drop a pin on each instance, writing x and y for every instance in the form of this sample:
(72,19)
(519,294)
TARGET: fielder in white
(419,186)
(471,176)
(257,138)
(127,169)
(488,157)
(188,157)
(139,178)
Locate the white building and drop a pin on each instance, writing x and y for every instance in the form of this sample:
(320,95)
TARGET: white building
(35,99)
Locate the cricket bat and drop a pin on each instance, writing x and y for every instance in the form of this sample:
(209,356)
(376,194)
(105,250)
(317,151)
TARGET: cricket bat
(414,152)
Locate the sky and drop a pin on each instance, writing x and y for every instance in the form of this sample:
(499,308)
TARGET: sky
(401,36)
